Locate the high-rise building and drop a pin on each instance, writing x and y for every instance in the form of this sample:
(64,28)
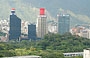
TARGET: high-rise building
(32,31)
(41,24)
(63,23)
(15,26)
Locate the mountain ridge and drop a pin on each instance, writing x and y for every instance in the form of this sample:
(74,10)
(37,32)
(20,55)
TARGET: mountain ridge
(29,9)
(77,6)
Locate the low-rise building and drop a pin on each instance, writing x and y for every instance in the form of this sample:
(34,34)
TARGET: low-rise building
(81,31)
(86,53)
(73,54)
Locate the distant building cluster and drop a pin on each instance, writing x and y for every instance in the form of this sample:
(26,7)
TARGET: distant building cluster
(17,29)
(81,30)
(52,27)
(4,26)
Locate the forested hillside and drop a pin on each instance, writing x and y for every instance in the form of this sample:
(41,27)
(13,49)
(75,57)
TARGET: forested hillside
(51,46)
(24,11)
(29,9)
(77,6)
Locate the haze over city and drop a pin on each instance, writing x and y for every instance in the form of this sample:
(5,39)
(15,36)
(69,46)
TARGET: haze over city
(44,29)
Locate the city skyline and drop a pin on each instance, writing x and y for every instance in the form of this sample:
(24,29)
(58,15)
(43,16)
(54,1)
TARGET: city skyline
(61,24)
(44,28)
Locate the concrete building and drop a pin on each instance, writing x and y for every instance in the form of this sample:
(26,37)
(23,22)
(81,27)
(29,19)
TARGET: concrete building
(52,27)
(86,53)
(41,24)
(84,33)
(15,26)
(4,26)
(81,31)
(32,32)
(63,23)
(24,27)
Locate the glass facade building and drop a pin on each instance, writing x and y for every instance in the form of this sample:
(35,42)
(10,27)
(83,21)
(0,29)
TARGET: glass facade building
(15,27)
(63,23)
(32,32)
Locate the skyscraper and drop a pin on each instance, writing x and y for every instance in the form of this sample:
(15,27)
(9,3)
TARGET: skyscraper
(15,26)
(32,31)
(41,24)
(63,23)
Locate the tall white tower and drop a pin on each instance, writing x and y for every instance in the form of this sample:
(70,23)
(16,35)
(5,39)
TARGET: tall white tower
(41,24)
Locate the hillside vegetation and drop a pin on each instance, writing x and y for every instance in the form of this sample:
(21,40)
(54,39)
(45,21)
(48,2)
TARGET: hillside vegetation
(51,44)
(29,10)
(24,11)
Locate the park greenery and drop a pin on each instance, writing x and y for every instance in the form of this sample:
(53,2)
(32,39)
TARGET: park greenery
(51,46)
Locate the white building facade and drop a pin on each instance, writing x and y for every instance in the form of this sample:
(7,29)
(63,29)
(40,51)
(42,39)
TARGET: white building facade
(86,53)
(41,24)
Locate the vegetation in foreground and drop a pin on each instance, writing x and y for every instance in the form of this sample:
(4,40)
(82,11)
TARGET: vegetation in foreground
(51,46)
